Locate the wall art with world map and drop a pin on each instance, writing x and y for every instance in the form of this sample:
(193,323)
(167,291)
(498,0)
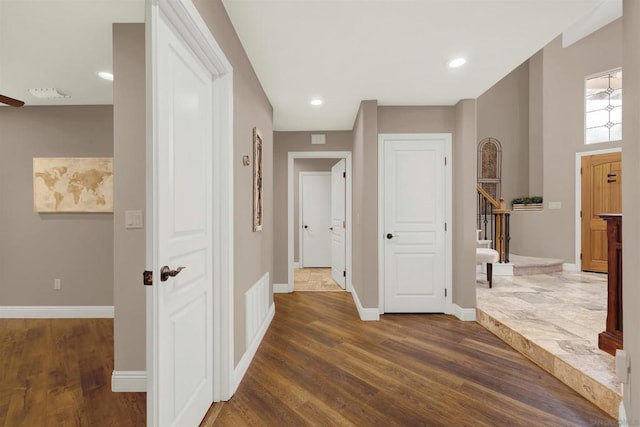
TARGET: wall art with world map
(73,184)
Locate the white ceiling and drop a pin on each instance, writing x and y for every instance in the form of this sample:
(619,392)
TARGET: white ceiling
(395,51)
(61,44)
(344,51)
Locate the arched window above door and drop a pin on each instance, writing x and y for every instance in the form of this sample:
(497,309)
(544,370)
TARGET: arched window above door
(490,166)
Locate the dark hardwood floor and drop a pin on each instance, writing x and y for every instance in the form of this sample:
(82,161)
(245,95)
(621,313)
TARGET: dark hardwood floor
(320,365)
(58,373)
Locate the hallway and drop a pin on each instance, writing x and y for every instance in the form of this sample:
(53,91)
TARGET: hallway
(320,365)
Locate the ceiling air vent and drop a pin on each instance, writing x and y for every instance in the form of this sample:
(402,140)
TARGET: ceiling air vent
(47,93)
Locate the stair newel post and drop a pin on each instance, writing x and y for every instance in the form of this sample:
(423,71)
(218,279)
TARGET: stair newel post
(502,242)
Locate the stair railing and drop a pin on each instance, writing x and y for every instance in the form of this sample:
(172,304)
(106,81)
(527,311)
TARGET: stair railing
(493,222)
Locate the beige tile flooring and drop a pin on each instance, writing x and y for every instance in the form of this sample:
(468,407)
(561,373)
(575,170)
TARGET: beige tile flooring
(314,279)
(555,319)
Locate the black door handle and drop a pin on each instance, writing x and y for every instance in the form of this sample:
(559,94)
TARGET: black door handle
(166,272)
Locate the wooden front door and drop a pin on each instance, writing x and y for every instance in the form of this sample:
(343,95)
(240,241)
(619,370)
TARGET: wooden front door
(601,193)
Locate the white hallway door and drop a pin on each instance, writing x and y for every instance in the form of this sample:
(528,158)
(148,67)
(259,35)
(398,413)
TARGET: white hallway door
(338,225)
(414,215)
(315,219)
(182,388)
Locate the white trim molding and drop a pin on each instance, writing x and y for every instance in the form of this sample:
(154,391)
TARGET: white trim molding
(251,350)
(464,314)
(57,312)
(570,267)
(366,314)
(281,288)
(502,269)
(129,381)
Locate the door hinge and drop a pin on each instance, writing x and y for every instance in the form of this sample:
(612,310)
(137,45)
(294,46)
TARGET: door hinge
(344,174)
(445,161)
(445,292)
(344,224)
(580,171)
(344,273)
(147,278)
(580,214)
(580,256)
(445,226)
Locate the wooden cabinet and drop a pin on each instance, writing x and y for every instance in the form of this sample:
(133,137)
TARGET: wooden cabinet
(611,339)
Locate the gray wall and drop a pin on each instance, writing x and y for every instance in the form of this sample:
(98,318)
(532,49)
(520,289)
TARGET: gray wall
(503,113)
(37,248)
(129,160)
(535,126)
(284,142)
(253,251)
(464,204)
(563,74)
(365,204)
(304,165)
(631,203)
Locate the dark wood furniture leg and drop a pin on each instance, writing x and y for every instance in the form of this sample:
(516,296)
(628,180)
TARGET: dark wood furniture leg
(490,273)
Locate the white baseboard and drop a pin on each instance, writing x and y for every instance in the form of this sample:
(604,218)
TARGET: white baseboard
(464,314)
(365,313)
(250,352)
(129,381)
(281,288)
(56,312)
(570,267)
(502,269)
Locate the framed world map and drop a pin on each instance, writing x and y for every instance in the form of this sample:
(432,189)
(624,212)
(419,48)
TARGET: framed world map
(73,184)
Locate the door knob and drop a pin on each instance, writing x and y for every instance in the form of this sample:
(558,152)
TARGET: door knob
(306,226)
(166,272)
(331,228)
(389,236)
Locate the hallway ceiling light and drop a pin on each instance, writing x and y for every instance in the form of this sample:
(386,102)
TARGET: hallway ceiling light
(316,101)
(106,75)
(458,62)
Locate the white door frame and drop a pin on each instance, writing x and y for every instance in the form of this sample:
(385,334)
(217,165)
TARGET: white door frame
(448,239)
(184,18)
(300,232)
(348,238)
(578,221)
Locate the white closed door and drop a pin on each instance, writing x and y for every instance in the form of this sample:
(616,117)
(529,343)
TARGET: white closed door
(315,219)
(338,225)
(414,225)
(183,362)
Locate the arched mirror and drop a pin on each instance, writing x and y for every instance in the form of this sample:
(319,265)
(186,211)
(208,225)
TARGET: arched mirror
(490,166)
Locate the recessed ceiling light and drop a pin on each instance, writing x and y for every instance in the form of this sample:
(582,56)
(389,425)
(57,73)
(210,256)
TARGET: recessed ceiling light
(316,101)
(458,62)
(106,75)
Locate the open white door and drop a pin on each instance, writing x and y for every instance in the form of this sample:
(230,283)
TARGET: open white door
(315,219)
(189,100)
(338,224)
(414,187)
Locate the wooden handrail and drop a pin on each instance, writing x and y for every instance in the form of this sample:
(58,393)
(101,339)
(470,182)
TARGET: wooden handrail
(488,197)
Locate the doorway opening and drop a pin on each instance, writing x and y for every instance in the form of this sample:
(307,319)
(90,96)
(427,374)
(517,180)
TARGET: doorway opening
(325,228)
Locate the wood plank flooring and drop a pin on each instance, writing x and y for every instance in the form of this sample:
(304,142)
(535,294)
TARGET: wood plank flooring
(58,373)
(320,365)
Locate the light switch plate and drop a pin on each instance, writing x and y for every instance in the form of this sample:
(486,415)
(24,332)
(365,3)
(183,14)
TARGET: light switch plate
(133,219)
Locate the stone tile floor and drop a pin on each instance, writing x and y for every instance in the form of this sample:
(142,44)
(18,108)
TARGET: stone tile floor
(314,279)
(559,314)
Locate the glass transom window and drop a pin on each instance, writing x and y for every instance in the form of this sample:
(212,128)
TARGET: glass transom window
(603,108)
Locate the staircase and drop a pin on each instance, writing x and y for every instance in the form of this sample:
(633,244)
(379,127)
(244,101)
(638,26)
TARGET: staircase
(527,265)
